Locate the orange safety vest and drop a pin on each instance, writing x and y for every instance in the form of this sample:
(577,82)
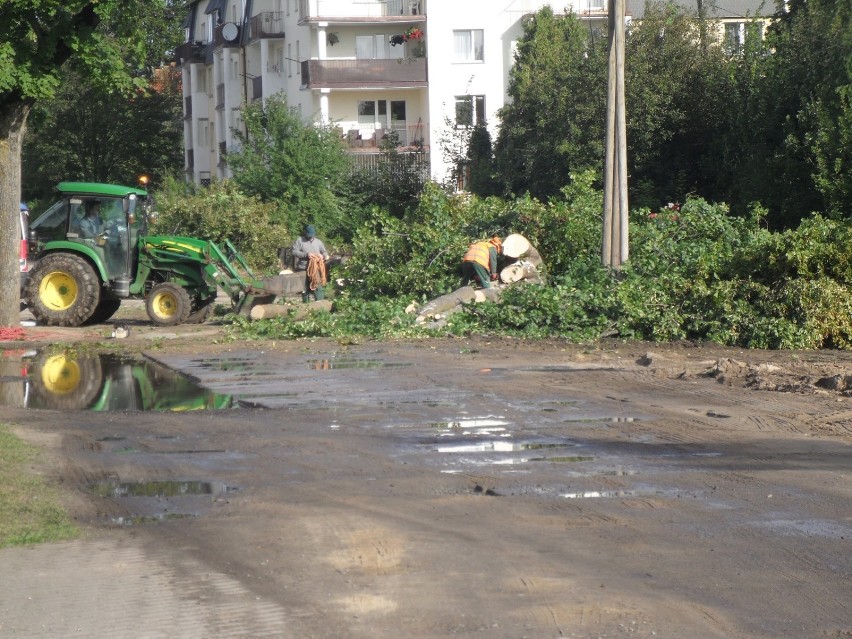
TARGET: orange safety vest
(479,252)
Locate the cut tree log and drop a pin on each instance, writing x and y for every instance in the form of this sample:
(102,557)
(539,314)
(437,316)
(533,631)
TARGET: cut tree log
(518,271)
(444,302)
(285,283)
(441,307)
(515,245)
(295,312)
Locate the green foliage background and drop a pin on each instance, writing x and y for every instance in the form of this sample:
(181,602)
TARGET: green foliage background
(219,212)
(696,272)
(298,166)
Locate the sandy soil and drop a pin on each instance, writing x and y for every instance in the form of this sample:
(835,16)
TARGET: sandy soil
(470,488)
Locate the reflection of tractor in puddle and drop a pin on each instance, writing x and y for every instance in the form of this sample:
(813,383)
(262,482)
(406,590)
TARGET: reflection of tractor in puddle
(63,381)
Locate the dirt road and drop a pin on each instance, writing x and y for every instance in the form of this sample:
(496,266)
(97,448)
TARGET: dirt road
(466,488)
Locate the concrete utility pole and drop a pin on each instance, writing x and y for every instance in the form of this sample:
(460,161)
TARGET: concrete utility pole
(614,249)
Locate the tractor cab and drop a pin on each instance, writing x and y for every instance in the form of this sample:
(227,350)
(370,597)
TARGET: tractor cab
(103,221)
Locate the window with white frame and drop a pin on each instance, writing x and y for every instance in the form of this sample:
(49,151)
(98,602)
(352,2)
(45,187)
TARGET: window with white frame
(289,60)
(734,36)
(470,110)
(468,45)
(201,81)
(298,60)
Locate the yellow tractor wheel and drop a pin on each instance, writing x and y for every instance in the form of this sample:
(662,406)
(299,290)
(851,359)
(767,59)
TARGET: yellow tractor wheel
(168,304)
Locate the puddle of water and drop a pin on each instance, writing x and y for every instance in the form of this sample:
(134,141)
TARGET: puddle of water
(494,445)
(331,363)
(477,422)
(480,447)
(103,382)
(597,494)
(141,520)
(165,488)
(598,420)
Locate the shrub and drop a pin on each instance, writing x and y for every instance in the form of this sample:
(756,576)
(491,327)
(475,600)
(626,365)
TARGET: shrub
(221,212)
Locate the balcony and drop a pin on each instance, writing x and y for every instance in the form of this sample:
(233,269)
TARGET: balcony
(365,11)
(368,139)
(267,24)
(355,74)
(190,52)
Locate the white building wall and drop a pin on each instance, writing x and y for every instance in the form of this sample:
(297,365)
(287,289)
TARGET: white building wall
(450,77)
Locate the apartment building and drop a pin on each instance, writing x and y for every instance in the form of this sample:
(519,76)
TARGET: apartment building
(417,68)
(369,67)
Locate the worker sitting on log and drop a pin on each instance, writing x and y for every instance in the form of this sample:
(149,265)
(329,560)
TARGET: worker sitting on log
(311,257)
(480,262)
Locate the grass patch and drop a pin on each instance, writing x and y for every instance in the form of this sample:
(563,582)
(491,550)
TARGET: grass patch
(29,507)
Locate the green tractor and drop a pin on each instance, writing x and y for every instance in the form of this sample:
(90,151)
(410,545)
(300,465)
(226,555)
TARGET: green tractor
(90,250)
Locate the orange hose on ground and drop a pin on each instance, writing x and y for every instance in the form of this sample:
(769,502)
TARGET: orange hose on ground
(11,334)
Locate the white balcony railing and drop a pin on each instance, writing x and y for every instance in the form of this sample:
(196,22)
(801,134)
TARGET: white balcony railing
(364,9)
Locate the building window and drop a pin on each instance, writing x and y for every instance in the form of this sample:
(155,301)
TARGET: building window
(468,45)
(298,60)
(734,36)
(289,60)
(203,133)
(470,110)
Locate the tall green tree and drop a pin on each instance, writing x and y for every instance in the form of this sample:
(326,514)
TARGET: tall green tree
(103,39)
(480,157)
(91,134)
(554,124)
(678,106)
(299,165)
(798,157)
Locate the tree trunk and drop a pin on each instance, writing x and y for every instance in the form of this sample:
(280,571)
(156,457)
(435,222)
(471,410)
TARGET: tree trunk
(13,124)
(300,311)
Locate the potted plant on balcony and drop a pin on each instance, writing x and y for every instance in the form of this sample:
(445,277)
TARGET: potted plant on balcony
(412,34)
(332,39)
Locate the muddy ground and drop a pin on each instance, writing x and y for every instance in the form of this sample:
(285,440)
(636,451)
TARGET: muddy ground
(451,488)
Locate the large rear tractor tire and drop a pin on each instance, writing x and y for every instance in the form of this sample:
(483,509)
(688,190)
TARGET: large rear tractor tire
(168,304)
(62,290)
(106,309)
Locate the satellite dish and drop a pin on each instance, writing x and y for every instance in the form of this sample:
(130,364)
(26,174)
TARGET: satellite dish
(230,31)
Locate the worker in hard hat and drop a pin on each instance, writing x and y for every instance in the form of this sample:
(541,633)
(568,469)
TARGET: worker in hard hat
(479,264)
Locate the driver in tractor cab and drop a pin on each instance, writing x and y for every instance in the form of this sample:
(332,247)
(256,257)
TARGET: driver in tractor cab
(90,225)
